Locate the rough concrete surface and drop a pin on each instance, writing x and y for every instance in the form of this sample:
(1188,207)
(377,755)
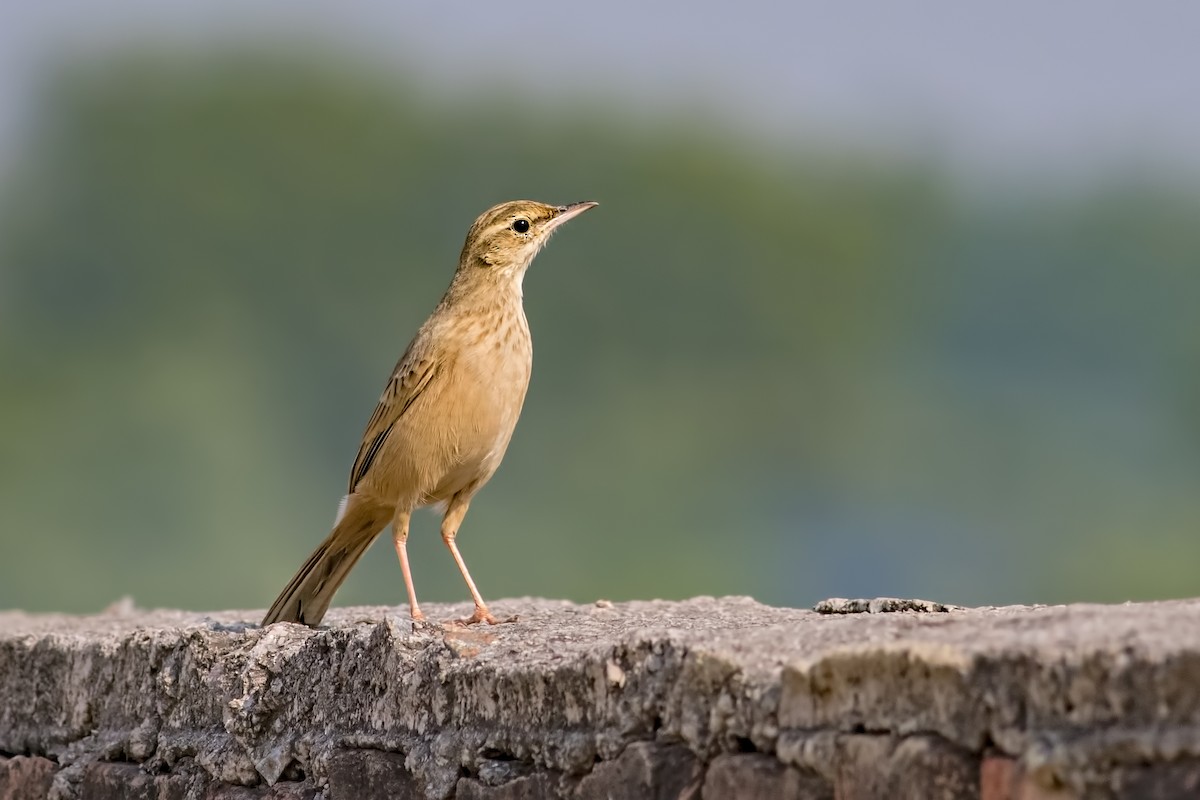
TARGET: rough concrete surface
(707,698)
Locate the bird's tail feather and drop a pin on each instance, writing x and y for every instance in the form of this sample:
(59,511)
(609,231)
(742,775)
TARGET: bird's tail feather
(307,596)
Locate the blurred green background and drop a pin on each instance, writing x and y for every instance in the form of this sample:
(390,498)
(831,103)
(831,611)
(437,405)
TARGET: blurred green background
(784,358)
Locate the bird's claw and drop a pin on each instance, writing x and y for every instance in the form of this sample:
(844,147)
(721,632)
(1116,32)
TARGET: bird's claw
(480,615)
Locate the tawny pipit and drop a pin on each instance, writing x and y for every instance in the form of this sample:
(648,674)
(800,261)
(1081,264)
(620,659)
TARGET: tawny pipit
(446,415)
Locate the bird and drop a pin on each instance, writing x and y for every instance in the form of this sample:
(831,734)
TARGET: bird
(446,414)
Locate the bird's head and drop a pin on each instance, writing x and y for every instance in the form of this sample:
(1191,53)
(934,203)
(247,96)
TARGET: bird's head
(506,237)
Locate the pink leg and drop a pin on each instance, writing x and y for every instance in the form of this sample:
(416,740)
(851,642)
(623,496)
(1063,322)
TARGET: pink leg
(400,539)
(455,511)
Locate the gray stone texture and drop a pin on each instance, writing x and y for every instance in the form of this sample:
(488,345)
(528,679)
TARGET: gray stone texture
(702,699)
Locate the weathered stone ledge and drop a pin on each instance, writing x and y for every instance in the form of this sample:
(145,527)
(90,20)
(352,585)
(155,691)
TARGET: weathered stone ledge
(705,699)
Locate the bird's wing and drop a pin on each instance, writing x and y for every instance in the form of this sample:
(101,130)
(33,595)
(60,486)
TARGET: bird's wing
(412,375)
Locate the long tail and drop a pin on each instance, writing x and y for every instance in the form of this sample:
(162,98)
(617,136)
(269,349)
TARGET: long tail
(307,596)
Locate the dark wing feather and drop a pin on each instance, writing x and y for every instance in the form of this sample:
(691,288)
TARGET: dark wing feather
(408,381)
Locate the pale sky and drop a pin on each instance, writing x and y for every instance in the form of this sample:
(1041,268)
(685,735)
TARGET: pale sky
(1024,81)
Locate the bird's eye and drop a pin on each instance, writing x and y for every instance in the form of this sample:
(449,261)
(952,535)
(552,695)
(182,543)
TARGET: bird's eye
(521,225)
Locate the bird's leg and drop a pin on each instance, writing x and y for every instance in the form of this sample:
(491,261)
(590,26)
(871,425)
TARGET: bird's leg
(455,511)
(400,539)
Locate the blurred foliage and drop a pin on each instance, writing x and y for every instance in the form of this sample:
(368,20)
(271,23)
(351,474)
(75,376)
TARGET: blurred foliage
(786,371)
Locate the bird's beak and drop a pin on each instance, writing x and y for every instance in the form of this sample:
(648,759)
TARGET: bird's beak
(569,212)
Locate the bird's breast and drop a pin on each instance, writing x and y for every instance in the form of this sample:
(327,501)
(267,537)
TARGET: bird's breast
(495,355)
(486,382)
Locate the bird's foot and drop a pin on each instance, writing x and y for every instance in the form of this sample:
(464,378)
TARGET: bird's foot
(481,615)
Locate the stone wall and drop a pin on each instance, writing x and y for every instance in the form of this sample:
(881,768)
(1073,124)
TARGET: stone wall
(709,698)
